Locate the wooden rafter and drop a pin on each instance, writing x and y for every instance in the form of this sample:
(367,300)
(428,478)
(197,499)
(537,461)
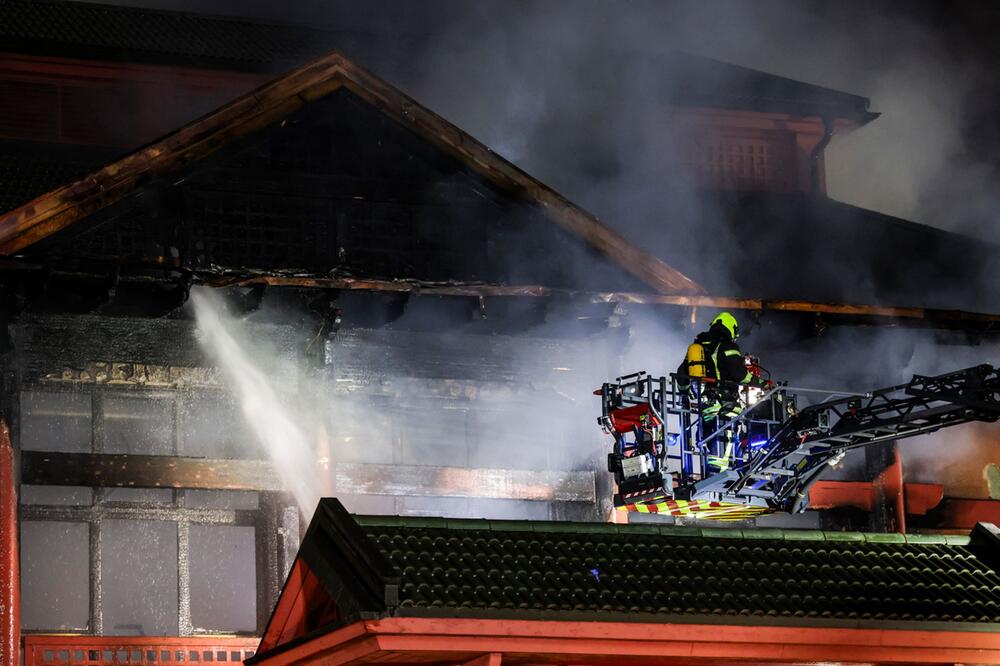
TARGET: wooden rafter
(63,207)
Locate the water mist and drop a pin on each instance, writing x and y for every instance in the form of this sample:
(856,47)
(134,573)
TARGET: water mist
(268,417)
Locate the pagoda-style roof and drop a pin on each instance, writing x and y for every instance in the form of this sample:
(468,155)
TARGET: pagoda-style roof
(369,568)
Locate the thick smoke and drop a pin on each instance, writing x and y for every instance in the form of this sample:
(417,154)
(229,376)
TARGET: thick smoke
(556,90)
(559,89)
(550,85)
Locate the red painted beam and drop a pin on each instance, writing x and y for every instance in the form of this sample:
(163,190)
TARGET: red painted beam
(963,514)
(453,640)
(10,587)
(290,617)
(839,494)
(922,497)
(889,489)
(919,497)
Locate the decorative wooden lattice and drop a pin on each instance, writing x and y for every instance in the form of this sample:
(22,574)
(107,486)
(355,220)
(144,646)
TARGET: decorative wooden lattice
(744,163)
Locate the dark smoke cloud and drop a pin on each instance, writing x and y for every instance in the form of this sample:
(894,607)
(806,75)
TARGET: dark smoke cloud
(557,88)
(551,85)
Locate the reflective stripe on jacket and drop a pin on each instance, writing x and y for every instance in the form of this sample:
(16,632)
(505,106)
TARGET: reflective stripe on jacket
(729,365)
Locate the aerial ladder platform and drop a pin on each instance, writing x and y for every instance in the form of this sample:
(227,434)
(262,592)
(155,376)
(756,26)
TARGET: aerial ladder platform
(675,453)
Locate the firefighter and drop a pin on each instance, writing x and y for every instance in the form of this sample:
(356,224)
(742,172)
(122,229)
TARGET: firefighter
(715,354)
(730,371)
(727,357)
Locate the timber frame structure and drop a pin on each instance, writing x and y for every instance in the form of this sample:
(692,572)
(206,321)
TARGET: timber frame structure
(86,325)
(39,220)
(61,208)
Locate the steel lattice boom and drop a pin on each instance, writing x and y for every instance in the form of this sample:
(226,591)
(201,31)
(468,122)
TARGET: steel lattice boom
(673,453)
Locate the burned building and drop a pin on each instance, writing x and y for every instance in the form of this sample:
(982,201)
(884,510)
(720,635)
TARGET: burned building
(432,316)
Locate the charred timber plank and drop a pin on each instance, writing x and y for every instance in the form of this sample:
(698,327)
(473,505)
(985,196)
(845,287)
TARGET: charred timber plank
(847,309)
(498,290)
(140,471)
(428,481)
(56,347)
(399,286)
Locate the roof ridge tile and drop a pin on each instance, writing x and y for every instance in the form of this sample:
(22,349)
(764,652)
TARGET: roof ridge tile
(425,521)
(926,538)
(804,535)
(511,526)
(467,524)
(678,531)
(721,533)
(877,537)
(688,531)
(761,533)
(844,536)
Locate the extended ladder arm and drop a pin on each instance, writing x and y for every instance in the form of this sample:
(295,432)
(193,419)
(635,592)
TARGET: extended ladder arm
(783,470)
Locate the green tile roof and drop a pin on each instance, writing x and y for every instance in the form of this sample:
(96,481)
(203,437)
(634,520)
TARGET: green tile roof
(542,569)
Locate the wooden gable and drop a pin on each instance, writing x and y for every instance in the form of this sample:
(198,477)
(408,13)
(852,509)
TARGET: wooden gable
(328,172)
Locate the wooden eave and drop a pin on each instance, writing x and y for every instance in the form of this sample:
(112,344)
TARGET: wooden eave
(67,205)
(768,120)
(494,642)
(927,317)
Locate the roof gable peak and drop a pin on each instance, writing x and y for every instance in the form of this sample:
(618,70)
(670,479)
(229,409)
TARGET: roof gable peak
(269,104)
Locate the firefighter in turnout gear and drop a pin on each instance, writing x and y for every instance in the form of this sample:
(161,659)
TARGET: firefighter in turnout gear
(727,357)
(715,355)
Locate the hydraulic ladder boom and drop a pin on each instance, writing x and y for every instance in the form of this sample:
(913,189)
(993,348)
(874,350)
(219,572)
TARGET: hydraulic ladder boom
(665,445)
(806,443)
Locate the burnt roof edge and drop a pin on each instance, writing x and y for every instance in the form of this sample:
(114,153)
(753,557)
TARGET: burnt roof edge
(64,206)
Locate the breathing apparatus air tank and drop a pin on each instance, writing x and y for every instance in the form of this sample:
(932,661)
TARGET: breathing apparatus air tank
(695,360)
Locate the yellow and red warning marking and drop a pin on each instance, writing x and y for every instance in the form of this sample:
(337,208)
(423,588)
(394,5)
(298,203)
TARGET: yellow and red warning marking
(697,509)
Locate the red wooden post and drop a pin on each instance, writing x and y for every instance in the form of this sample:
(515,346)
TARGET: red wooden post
(890,483)
(10,588)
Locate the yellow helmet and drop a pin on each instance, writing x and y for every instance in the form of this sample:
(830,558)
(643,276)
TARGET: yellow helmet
(729,321)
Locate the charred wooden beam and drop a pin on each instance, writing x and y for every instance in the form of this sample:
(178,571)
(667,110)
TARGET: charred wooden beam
(427,481)
(141,471)
(929,316)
